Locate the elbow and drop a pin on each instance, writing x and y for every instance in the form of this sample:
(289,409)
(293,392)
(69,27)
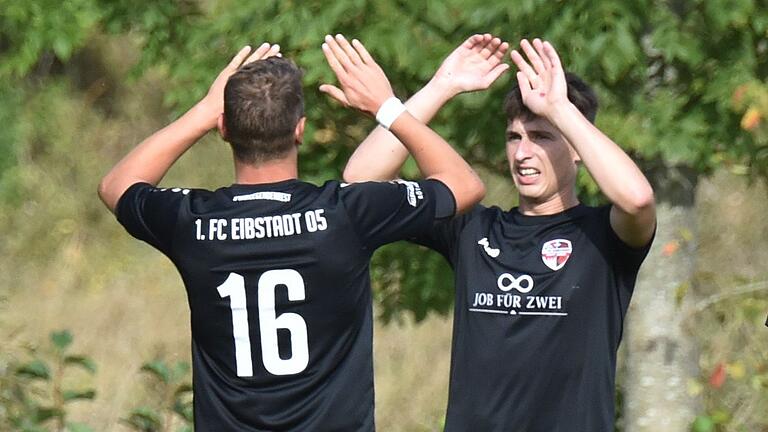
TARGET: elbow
(640,200)
(106,193)
(471,195)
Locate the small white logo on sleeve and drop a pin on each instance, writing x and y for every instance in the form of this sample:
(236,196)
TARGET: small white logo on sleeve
(555,253)
(412,190)
(492,252)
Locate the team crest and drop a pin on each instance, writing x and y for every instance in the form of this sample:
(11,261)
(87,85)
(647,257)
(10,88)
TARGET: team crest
(556,252)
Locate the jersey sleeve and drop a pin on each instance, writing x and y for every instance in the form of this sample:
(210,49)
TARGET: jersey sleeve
(149,213)
(626,259)
(443,235)
(384,212)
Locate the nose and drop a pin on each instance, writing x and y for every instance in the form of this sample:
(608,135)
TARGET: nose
(524,149)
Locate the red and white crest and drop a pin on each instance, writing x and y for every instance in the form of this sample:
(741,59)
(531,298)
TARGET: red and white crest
(556,252)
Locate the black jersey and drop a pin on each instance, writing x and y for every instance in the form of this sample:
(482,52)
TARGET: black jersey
(540,304)
(278,285)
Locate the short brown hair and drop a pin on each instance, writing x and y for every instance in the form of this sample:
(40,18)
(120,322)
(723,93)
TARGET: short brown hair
(263,103)
(579,93)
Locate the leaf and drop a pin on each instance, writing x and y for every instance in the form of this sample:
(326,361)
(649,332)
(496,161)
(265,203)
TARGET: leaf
(61,339)
(82,361)
(703,424)
(180,369)
(681,291)
(158,369)
(47,413)
(35,369)
(78,427)
(70,395)
(183,389)
(144,419)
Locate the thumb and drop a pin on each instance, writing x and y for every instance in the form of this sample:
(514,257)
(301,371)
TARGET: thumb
(494,74)
(336,93)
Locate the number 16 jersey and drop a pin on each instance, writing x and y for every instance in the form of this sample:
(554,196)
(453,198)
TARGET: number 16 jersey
(277,278)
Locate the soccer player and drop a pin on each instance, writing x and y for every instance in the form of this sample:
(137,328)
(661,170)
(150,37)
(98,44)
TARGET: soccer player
(541,289)
(276,269)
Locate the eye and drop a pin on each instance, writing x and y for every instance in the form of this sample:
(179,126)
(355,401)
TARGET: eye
(513,136)
(541,136)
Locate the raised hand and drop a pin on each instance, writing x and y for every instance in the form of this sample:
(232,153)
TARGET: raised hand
(474,65)
(542,82)
(364,86)
(214,100)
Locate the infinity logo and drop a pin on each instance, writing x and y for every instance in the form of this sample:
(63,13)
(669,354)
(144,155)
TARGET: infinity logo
(524,283)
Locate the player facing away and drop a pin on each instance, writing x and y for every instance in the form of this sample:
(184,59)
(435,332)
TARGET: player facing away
(541,289)
(277,270)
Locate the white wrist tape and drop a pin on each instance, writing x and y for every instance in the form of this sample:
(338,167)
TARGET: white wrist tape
(389,111)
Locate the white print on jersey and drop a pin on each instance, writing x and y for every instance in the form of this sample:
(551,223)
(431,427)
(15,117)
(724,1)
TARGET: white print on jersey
(556,252)
(524,283)
(261,227)
(268,195)
(492,252)
(515,304)
(412,190)
(183,191)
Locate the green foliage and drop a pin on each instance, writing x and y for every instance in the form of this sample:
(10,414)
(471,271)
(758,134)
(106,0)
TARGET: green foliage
(172,407)
(35,395)
(39,32)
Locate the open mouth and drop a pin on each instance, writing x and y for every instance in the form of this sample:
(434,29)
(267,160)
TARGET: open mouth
(528,172)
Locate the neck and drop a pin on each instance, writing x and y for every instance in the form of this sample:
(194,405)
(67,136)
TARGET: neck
(271,171)
(555,204)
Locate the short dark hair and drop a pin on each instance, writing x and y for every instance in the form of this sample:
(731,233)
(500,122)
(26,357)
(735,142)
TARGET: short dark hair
(263,103)
(579,93)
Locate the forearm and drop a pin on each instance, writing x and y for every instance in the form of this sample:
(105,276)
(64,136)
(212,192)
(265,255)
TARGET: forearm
(150,160)
(437,160)
(381,155)
(618,177)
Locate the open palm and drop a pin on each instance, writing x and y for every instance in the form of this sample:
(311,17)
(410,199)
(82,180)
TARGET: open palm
(475,64)
(542,81)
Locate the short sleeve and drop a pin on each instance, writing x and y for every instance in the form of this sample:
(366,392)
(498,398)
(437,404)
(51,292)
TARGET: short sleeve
(149,213)
(627,259)
(384,212)
(443,236)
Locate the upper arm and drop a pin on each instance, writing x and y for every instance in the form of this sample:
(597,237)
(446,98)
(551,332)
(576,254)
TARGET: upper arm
(635,229)
(150,214)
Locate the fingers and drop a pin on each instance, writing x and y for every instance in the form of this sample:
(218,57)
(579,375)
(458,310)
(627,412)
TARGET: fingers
(238,59)
(533,57)
(524,84)
(501,51)
(552,55)
(363,52)
(264,50)
(491,45)
(351,53)
(336,93)
(337,51)
(333,61)
(524,68)
(494,74)
(539,46)
(472,41)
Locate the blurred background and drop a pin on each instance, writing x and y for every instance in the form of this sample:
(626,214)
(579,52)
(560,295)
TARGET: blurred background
(94,325)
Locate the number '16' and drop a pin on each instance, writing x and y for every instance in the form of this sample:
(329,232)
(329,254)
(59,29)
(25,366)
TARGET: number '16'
(234,288)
